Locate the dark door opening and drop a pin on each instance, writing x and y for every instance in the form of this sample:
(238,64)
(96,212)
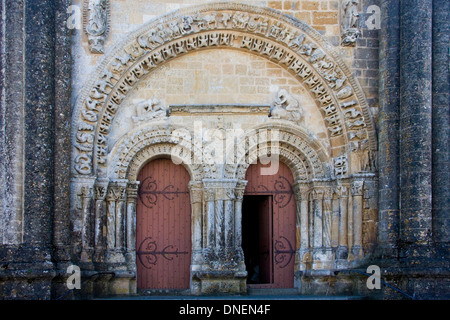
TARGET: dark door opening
(257,233)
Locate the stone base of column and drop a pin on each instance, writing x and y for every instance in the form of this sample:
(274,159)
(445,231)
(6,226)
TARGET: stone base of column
(222,282)
(26,272)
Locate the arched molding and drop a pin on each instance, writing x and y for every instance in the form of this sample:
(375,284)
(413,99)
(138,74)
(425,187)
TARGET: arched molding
(304,156)
(139,147)
(279,38)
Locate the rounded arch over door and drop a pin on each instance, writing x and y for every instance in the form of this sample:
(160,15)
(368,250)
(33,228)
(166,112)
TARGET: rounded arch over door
(163,226)
(269,227)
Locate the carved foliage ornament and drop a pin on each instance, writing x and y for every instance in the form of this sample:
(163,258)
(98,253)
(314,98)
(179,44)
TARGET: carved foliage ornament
(96,23)
(258,33)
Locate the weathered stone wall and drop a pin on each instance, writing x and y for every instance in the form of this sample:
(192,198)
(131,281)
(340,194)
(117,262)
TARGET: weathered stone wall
(35,115)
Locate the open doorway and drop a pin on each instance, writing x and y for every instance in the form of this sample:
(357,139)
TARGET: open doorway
(257,238)
(269,228)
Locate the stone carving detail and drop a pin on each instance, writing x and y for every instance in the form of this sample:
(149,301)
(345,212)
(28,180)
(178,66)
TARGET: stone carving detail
(263,34)
(349,23)
(148,110)
(285,106)
(340,166)
(96,24)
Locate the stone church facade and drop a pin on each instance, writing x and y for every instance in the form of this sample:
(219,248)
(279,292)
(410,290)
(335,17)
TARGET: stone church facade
(177,145)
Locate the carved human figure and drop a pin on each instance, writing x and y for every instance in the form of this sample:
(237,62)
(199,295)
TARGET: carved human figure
(97,24)
(350,15)
(350,18)
(285,107)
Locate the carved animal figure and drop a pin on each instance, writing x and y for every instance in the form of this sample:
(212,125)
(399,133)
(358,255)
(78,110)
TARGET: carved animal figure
(285,107)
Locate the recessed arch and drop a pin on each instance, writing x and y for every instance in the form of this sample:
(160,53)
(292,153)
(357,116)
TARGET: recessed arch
(283,40)
(134,150)
(304,156)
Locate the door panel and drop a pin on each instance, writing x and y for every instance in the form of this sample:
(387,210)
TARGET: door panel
(163,220)
(279,226)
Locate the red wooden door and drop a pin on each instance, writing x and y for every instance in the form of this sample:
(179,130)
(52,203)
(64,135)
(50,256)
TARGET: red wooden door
(163,226)
(276,223)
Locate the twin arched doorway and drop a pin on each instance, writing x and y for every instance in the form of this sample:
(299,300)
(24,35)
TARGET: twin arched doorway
(163,227)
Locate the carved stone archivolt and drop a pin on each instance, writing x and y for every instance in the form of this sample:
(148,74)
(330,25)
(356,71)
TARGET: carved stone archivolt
(279,143)
(279,38)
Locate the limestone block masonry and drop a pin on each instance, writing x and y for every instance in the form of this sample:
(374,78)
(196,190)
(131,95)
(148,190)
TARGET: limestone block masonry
(351,96)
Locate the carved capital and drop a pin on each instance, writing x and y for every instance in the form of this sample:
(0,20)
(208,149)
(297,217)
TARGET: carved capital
(209,194)
(132,190)
(341,191)
(116,191)
(300,191)
(357,188)
(196,191)
(100,191)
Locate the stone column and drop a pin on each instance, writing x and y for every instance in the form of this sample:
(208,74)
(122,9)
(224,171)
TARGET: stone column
(100,189)
(326,217)
(115,202)
(86,197)
(120,216)
(130,223)
(196,193)
(239,197)
(388,127)
(111,198)
(317,195)
(357,202)
(82,213)
(301,196)
(209,196)
(342,251)
(326,227)
(415,121)
(223,217)
(219,221)
(441,122)
(229,220)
